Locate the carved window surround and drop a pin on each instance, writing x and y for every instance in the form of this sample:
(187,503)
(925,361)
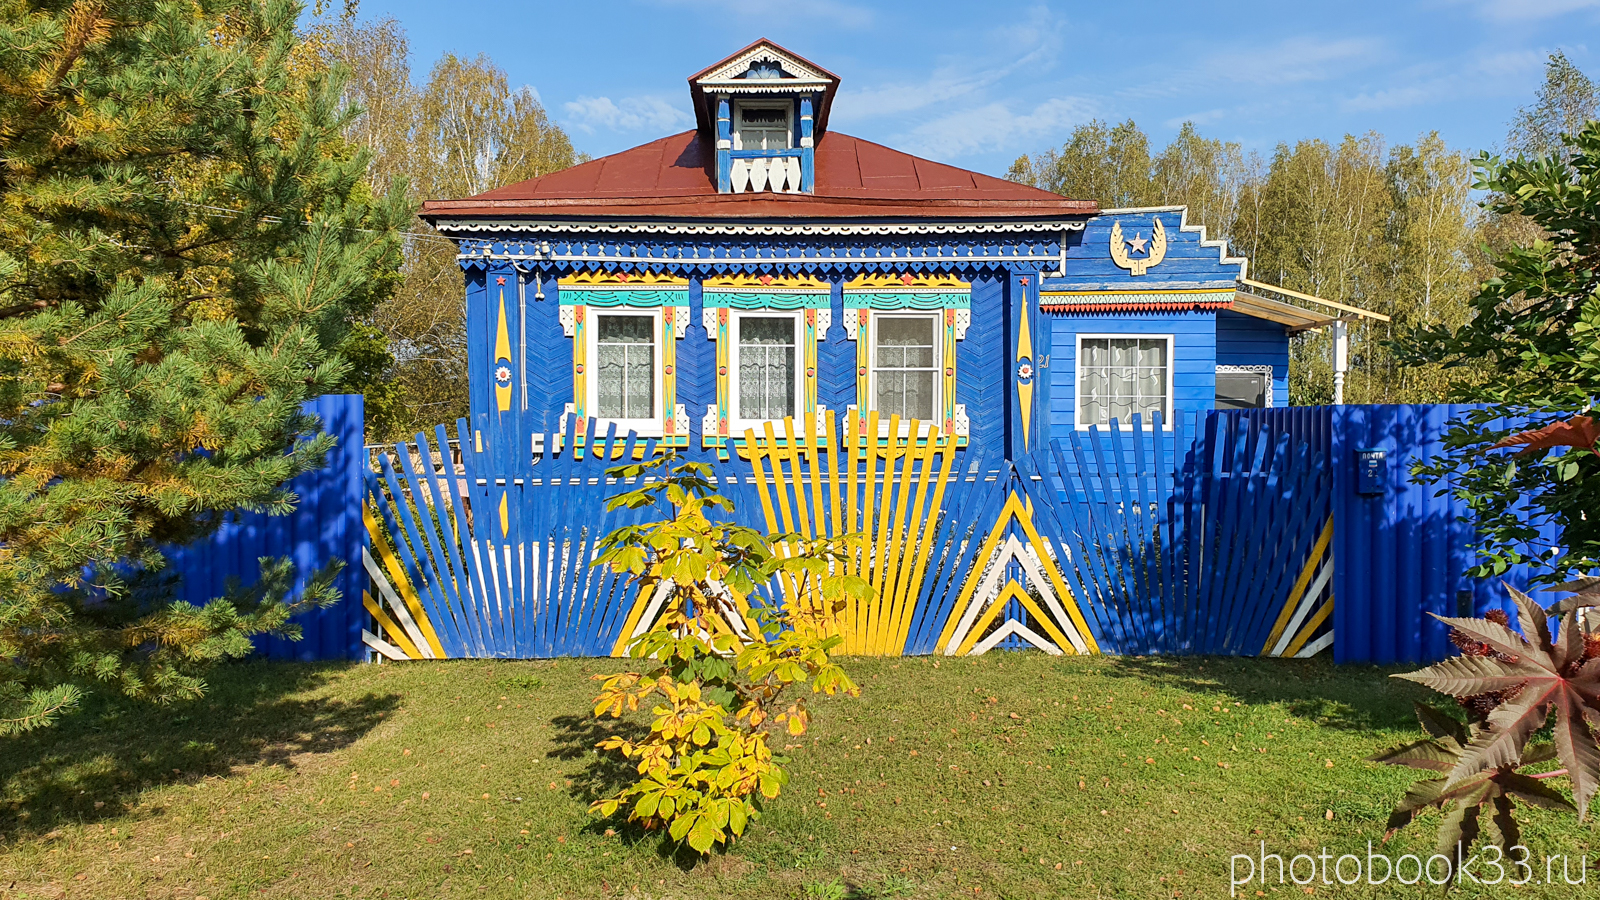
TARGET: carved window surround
(868,295)
(668,297)
(719,297)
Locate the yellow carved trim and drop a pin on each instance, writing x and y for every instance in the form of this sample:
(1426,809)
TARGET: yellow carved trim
(896,506)
(502,351)
(1320,616)
(391,630)
(880,281)
(764,282)
(1014,510)
(613,279)
(1299,589)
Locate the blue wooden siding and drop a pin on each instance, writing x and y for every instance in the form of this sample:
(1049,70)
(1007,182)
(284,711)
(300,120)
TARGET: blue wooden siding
(549,355)
(836,358)
(1187,261)
(1246,341)
(1194,359)
(983,364)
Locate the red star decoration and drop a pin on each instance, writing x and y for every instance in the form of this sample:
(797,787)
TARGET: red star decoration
(907,279)
(765,279)
(500,280)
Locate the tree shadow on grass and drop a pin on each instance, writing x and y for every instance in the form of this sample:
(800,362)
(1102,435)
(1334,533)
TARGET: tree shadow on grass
(605,773)
(1350,697)
(96,762)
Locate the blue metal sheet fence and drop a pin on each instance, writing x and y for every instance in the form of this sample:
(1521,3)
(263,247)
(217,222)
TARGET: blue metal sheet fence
(1402,553)
(326,525)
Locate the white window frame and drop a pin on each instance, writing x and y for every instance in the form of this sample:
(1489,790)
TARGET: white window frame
(871,400)
(647,427)
(740,106)
(1077,371)
(738,423)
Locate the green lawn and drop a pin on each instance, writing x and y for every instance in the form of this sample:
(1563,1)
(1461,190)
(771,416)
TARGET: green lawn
(1009,775)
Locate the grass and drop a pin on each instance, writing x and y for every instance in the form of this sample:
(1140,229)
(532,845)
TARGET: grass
(1010,775)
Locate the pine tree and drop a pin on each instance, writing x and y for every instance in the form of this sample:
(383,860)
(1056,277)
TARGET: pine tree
(185,241)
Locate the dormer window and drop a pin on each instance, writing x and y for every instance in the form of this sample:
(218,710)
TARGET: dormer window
(762,126)
(766,109)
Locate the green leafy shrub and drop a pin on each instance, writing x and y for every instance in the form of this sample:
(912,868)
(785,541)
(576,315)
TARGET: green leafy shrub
(721,666)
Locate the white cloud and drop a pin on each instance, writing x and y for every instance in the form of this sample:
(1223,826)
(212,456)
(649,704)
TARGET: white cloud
(995,126)
(1027,46)
(1295,60)
(1528,10)
(1450,81)
(648,112)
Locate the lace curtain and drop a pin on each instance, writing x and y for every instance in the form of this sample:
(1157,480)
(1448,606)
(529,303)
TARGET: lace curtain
(1119,378)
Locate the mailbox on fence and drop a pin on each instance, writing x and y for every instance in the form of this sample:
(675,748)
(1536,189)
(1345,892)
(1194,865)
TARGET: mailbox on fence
(1372,470)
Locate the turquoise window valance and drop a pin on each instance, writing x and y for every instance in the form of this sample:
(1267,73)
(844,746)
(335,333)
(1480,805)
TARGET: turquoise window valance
(624,296)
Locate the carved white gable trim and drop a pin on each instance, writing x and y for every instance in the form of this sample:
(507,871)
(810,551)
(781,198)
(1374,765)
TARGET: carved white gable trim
(726,80)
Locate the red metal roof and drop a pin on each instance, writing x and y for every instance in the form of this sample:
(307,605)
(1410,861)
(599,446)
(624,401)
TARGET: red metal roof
(674,178)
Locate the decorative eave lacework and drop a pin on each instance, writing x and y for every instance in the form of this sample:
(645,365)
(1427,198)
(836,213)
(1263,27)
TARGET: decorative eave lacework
(755,229)
(726,78)
(815,257)
(1135,301)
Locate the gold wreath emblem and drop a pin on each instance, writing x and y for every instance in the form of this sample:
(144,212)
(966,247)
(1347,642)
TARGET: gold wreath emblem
(1119,248)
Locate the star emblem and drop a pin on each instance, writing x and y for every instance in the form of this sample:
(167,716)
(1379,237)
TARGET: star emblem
(500,280)
(1138,242)
(907,278)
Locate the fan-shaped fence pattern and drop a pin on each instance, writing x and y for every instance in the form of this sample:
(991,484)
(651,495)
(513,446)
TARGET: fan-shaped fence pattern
(1208,535)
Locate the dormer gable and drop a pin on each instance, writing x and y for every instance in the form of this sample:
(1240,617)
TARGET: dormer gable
(764,109)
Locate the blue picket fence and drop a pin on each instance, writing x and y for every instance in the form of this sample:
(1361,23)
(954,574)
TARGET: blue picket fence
(482,559)
(1198,537)
(325,525)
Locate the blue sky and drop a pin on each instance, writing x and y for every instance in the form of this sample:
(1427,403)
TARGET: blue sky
(977,83)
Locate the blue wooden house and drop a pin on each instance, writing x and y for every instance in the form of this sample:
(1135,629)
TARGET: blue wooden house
(763,265)
(1015,397)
